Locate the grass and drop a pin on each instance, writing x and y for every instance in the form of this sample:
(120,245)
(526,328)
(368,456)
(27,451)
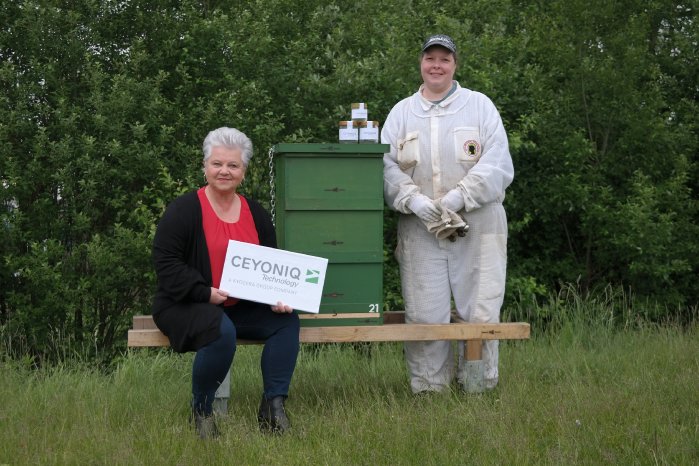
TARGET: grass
(581,395)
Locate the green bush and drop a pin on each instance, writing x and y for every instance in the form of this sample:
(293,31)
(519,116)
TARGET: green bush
(104,106)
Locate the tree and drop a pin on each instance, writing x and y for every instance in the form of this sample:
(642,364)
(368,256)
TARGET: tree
(605,170)
(105,104)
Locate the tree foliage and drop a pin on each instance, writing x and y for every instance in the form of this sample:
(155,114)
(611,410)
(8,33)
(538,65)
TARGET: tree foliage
(105,103)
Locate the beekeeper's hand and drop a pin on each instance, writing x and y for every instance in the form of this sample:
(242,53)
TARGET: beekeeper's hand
(453,200)
(424,208)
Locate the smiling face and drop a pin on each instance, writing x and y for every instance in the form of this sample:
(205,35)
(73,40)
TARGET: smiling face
(437,67)
(224,169)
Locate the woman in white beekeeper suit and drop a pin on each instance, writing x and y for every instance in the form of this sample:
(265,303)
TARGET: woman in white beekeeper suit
(448,161)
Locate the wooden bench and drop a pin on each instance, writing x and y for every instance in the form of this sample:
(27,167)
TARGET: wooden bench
(145,334)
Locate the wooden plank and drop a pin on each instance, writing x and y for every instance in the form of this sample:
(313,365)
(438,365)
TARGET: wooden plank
(147,337)
(143,322)
(394,332)
(344,315)
(153,337)
(416,332)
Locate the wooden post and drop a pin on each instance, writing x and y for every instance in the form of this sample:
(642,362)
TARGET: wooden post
(473,350)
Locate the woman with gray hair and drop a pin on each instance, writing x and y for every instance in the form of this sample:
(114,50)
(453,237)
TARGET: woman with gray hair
(189,251)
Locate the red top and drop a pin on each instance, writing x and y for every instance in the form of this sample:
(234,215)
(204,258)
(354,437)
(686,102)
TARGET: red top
(218,232)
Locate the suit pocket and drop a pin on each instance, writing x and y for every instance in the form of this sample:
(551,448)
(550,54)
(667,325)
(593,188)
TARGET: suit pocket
(408,151)
(467,144)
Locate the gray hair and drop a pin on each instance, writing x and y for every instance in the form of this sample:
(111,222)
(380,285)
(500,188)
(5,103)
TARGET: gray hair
(230,138)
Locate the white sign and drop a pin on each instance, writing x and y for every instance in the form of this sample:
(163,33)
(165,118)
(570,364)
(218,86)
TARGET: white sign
(267,275)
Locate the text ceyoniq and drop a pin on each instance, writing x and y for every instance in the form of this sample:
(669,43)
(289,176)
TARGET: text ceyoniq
(266,267)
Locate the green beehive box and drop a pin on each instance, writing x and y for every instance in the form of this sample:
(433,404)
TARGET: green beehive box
(329,203)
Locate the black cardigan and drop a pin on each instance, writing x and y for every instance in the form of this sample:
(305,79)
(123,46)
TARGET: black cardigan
(183,270)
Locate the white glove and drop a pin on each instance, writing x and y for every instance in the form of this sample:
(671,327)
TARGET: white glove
(424,208)
(453,200)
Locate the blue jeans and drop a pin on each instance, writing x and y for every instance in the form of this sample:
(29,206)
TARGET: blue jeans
(251,321)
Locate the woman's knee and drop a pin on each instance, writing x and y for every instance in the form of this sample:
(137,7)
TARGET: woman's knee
(227,339)
(294,321)
(284,321)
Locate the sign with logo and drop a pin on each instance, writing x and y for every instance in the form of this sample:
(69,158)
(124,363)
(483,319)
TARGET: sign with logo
(269,275)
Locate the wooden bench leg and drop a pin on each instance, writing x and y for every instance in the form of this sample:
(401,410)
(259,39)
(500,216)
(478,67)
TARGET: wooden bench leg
(474,368)
(222,395)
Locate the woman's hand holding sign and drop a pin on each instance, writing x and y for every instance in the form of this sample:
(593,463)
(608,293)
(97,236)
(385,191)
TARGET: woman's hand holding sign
(282,308)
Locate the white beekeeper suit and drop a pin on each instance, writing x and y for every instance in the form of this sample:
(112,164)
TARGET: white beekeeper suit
(457,145)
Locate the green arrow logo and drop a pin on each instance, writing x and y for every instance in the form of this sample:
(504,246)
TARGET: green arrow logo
(312,276)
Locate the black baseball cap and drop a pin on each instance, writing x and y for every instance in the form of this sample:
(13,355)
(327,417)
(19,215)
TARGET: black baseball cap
(442,40)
